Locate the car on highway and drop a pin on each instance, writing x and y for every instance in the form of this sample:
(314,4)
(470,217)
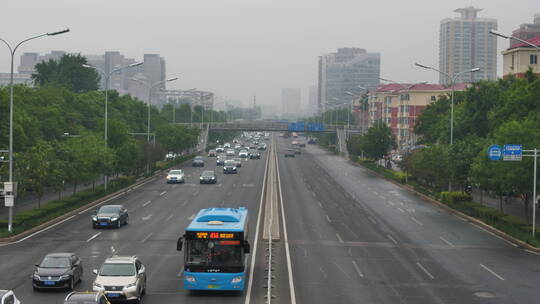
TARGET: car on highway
(58,270)
(226,145)
(243,154)
(212,153)
(230,152)
(255,155)
(312,140)
(297,151)
(237,147)
(110,216)
(86,297)
(301,144)
(220,149)
(208,177)
(175,176)
(238,162)
(262,147)
(289,153)
(230,167)
(220,161)
(121,278)
(8,297)
(252,147)
(198,161)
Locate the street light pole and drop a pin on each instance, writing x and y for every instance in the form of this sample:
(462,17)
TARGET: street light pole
(107,77)
(12,54)
(452,84)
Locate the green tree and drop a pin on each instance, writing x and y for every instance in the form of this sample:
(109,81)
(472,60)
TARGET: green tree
(378,141)
(68,72)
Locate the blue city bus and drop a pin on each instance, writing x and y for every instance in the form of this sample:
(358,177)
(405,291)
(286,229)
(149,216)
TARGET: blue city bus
(215,249)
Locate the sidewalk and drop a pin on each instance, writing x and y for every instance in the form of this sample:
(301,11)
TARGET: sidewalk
(29,201)
(514,206)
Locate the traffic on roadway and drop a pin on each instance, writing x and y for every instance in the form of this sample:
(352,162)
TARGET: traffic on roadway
(263,219)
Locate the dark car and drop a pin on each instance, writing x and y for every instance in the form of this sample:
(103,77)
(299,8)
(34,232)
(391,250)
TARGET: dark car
(289,153)
(86,297)
(58,270)
(255,155)
(297,151)
(110,216)
(208,177)
(302,144)
(230,167)
(220,161)
(198,162)
(312,141)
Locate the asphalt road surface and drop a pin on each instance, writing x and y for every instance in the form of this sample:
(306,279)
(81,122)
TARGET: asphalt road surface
(356,238)
(352,236)
(159,213)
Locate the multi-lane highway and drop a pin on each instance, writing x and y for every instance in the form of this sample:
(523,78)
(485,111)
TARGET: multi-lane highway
(352,237)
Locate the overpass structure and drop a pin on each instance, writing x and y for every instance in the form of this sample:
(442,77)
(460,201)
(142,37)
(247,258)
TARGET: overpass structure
(270,126)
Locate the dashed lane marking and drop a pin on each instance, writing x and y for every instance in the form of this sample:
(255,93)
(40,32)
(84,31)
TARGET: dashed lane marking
(161,194)
(446,241)
(392,239)
(357,269)
(416,221)
(93,237)
(147,237)
(372,220)
(146,218)
(328,219)
(492,272)
(146,204)
(169,217)
(425,270)
(339,238)
(401,210)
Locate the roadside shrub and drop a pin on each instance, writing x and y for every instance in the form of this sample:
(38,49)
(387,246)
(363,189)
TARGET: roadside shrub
(454,197)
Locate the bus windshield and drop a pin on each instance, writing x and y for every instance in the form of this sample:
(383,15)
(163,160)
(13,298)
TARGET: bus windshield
(214,253)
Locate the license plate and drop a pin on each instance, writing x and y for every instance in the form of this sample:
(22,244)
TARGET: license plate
(213,286)
(48,283)
(113,295)
(103,224)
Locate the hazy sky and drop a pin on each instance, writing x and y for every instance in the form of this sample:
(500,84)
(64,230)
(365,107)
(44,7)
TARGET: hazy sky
(238,48)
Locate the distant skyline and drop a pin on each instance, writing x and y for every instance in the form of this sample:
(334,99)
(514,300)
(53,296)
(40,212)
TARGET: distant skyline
(241,48)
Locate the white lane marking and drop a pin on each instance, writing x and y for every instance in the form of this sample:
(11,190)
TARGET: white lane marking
(146,218)
(492,272)
(425,270)
(38,232)
(493,234)
(375,192)
(146,204)
(328,219)
(416,221)
(357,269)
(162,193)
(191,217)
(392,239)
(93,237)
(320,205)
(257,226)
(372,220)
(113,250)
(180,273)
(391,203)
(339,238)
(447,242)
(196,193)
(183,204)
(529,251)
(169,217)
(286,237)
(147,237)
(401,210)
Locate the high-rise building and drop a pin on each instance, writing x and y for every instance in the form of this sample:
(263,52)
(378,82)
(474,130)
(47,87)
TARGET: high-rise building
(346,71)
(464,44)
(526,31)
(152,71)
(290,101)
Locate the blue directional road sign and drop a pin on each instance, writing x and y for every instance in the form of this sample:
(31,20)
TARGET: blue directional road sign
(296,126)
(315,127)
(494,152)
(512,152)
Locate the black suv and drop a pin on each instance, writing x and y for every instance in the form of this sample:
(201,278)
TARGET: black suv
(208,177)
(58,270)
(198,162)
(110,216)
(255,155)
